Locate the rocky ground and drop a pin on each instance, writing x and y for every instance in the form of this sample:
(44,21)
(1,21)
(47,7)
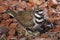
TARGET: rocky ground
(11,29)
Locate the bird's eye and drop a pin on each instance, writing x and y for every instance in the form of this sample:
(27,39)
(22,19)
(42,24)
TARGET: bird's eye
(40,10)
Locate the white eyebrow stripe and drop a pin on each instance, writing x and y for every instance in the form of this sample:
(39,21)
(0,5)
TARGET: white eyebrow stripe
(40,12)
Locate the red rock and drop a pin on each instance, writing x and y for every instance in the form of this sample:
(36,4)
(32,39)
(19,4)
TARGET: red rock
(5,16)
(13,25)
